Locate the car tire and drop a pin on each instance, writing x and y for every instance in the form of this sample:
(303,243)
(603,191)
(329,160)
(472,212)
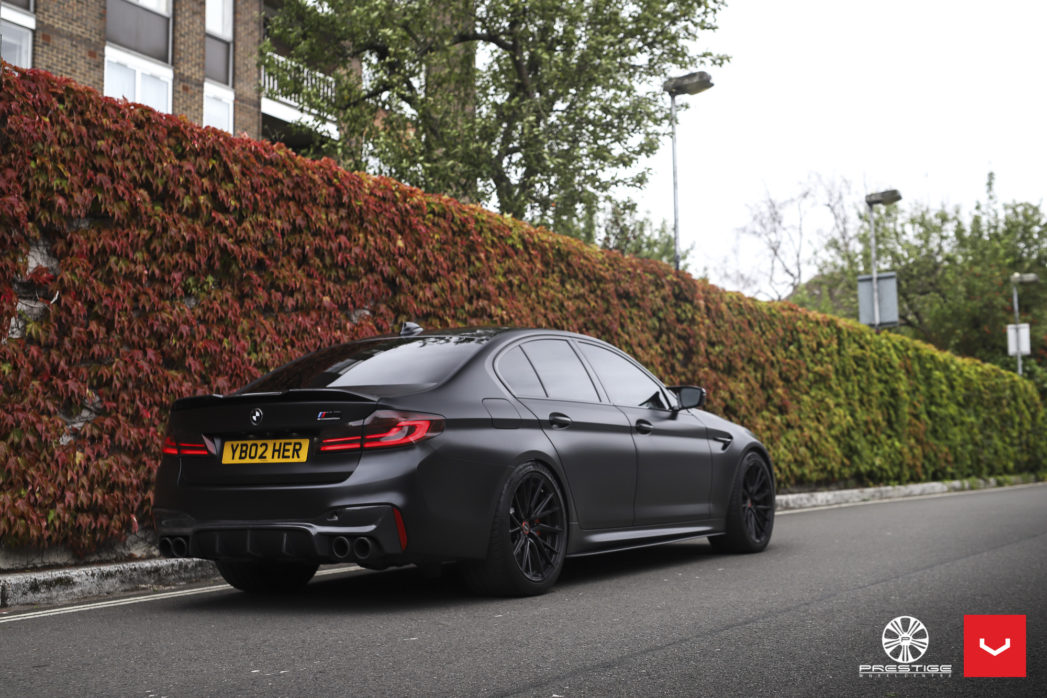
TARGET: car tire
(266,577)
(750,509)
(528,540)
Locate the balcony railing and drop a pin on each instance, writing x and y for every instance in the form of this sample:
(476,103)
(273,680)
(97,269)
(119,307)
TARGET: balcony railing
(312,80)
(288,107)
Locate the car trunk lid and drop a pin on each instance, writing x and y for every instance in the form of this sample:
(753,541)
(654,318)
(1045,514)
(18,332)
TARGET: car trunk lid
(264,438)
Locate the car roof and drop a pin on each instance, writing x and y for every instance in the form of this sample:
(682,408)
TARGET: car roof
(484,332)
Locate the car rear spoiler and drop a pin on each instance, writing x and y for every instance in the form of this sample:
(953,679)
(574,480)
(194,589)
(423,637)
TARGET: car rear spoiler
(302,395)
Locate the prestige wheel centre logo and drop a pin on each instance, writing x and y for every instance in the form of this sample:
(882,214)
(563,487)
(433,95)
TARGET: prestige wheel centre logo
(905,640)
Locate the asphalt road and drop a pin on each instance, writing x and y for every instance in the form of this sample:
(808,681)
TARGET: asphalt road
(797,619)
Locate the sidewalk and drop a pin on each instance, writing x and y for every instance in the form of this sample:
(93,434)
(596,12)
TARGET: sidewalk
(71,584)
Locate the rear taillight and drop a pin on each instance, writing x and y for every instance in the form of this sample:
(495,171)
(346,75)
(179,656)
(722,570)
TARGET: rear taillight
(346,443)
(386,429)
(405,431)
(183,448)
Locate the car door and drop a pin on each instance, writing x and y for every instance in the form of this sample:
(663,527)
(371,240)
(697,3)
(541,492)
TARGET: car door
(674,459)
(592,439)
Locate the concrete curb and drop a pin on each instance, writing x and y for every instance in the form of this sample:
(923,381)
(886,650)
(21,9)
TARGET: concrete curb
(75,583)
(71,584)
(827,498)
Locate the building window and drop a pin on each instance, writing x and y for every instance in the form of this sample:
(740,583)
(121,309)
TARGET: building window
(17,44)
(218,44)
(16,35)
(159,6)
(138,79)
(140,25)
(218,106)
(219,18)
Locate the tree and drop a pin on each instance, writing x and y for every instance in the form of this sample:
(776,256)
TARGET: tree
(539,107)
(622,229)
(953,274)
(792,233)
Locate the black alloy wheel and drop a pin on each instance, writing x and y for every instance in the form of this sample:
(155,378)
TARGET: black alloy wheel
(750,510)
(536,526)
(528,537)
(757,502)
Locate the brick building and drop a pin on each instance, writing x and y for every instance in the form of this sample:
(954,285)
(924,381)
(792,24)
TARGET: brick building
(193,57)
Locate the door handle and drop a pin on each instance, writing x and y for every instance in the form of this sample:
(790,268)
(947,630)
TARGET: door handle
(558,420)
(643,426)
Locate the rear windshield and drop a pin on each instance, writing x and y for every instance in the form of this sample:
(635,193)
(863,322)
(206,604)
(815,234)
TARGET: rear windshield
(421,361)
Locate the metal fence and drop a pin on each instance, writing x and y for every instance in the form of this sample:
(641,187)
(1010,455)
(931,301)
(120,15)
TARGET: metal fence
(311,80)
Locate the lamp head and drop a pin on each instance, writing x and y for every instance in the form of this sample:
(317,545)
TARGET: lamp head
(1017,278)
(690,84)
(888,196)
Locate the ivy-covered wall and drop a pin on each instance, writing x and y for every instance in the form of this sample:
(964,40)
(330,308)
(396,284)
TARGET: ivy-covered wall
(143,258)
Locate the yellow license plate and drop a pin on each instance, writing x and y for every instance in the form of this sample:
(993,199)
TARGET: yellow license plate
(266,451)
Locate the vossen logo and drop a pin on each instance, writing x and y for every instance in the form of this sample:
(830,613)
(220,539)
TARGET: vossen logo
(905,639)
(994,645)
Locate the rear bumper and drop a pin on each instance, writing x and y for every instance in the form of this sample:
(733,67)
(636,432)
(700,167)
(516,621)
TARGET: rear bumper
(446,502)
(360,534)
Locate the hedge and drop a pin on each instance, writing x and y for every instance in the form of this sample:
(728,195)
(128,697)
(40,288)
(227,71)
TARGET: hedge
(169,259)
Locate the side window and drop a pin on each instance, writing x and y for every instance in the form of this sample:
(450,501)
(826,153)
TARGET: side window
(561,371)
(625,383)
(519,375)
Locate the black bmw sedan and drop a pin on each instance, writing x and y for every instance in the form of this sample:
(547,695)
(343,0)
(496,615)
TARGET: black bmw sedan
(506,450)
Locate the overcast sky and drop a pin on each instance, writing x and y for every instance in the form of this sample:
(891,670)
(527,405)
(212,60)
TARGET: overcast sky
(926,96)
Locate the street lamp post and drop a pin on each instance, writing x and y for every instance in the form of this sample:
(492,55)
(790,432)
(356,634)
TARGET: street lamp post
(888,196)
(690,84)
(1016,279)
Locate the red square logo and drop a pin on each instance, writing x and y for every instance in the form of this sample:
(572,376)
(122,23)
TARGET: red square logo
(994,645)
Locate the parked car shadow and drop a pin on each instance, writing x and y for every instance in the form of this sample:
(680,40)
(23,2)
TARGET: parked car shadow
(634,563)
(358,591)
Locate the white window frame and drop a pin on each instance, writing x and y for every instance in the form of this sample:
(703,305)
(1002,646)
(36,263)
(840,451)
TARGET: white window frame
(226,94)
(227,5)
(23,20)
(141,64)
(16,15)
(164,9)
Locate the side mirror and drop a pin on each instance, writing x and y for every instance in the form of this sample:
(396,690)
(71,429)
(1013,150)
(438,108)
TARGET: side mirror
(689,396)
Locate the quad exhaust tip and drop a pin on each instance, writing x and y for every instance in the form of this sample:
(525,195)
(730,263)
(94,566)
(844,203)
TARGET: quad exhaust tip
(362,548)
(175,546)
(341,547)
